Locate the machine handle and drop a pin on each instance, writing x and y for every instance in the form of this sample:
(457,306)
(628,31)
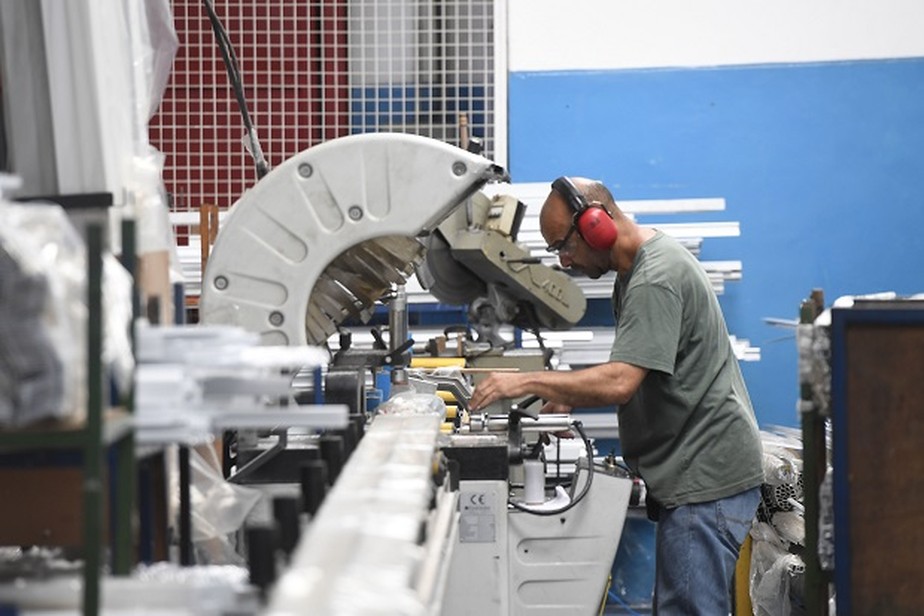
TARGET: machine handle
(520,407)
(379,341)
(392,357)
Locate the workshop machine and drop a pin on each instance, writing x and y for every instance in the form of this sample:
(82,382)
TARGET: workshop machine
(437,510)
(473,259)
(527,545)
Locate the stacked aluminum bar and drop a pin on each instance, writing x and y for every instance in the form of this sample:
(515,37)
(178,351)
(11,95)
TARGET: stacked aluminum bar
(376,546)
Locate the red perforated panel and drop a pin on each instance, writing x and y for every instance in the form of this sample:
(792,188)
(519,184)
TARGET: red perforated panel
(293,61)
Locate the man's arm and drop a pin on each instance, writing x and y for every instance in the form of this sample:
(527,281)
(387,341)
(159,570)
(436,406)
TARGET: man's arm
(610,383)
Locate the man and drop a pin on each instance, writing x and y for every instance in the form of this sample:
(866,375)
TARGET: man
(685,419)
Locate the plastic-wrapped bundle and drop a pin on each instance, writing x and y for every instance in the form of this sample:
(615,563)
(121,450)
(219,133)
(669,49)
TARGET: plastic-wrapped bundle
(782,462)
(31,374)
(780,497)
(42,315)
(776,575)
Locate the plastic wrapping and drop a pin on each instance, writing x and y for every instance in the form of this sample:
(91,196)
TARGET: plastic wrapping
(23,563)
(790,525)
(117,342)
(411,403)
(158,262)
(782,489)
(42,315)
(773,574)
(55,587)
(776,574)
(781,466)
(154,43)
(155,233)
(826,521)
(154,52)
(219,509)
(814,345)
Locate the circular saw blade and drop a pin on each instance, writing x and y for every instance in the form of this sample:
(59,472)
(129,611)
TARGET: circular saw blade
(452,282)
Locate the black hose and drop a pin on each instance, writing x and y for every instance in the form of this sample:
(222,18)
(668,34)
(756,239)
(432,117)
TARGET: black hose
(234,76)
(579,427)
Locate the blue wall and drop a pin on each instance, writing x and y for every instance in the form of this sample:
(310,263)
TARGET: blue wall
(823,165)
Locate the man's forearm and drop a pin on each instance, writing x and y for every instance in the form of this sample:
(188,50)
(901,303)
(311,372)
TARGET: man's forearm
(612,383)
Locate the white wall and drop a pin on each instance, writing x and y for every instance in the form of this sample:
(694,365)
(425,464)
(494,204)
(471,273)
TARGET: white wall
(549,35)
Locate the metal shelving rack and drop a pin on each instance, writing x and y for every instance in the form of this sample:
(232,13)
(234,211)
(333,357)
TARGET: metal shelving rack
(99,433)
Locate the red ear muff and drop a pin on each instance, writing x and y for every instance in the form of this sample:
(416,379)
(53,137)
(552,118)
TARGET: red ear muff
(594,223)
(597,228)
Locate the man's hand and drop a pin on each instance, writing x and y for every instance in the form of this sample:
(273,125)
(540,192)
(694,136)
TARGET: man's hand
(497,386)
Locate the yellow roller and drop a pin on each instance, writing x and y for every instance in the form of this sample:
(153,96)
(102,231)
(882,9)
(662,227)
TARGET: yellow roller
(451,411)
(437,362)
(446,427)
(446,396)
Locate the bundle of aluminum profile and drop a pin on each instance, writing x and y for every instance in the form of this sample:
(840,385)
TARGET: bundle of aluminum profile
(780,497)
(355,280)
(41,314)
(31,373)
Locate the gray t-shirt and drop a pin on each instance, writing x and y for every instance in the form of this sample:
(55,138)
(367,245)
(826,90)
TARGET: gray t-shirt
(689,430)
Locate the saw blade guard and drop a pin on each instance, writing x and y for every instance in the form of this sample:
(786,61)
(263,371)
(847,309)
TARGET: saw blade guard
(328,232)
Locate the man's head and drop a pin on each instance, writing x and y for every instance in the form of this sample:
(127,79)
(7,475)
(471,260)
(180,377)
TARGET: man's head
(576,222)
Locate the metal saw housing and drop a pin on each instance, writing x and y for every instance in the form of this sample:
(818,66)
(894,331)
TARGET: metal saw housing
(328,231)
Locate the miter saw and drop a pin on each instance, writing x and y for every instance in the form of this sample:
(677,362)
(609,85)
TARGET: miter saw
(338,227)
(473,259)
(343,225)
(332,230)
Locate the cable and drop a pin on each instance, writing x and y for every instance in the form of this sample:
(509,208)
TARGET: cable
(584,490)
(234,76)
(546,354)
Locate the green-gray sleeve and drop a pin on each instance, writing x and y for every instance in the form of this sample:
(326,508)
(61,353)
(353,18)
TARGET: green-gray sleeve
(649,328)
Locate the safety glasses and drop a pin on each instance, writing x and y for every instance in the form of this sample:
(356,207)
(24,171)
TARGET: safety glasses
(557,246)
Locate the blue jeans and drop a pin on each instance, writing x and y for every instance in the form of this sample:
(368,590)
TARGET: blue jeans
(696,550)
